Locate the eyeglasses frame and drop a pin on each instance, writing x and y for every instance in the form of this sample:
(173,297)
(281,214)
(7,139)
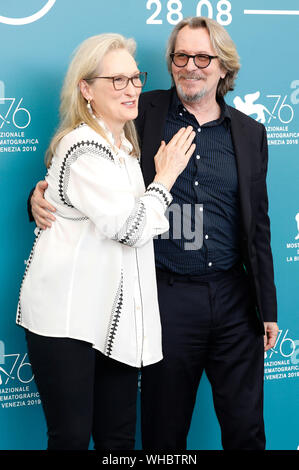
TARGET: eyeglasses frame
(189,56)
(129,79)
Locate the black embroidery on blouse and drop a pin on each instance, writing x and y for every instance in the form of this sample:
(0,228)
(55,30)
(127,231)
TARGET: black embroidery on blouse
(77,219)
(157,190)
(29,261)
(133,227)
(115,317)
(74,152)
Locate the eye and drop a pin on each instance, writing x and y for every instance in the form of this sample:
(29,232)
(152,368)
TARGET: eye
(202,57)
(120,79)
(136,77)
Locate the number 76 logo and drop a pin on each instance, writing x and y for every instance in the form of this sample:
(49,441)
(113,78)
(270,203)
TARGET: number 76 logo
(283,345)
(18,367)
(14,113)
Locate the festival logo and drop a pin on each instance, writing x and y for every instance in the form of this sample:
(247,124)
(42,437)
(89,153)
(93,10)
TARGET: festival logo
(251,108)
(282,361)
(15,119)
(28,19)
(16,380)
(292,245)
(275,111)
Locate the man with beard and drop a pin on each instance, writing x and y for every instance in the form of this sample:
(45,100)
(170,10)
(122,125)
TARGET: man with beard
(216,302)
(217,299)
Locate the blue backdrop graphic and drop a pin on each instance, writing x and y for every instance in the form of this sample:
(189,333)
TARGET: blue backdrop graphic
(37,39)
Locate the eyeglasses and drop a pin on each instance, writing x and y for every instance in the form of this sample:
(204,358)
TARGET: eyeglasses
(121,81)
(201,61)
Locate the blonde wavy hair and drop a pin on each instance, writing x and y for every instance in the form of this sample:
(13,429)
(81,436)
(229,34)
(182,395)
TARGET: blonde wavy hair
(86,62)
(222,44)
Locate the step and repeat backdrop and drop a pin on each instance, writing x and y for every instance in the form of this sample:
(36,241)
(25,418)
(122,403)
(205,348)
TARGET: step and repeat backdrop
(37,40)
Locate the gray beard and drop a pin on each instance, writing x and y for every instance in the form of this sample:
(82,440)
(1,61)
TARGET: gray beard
(196,97)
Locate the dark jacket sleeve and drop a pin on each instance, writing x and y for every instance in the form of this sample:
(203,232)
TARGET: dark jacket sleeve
(31,219)
(262,243)
(139,121)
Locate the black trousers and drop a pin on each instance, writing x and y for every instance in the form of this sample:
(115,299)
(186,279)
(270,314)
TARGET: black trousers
(206,325)
(83,394)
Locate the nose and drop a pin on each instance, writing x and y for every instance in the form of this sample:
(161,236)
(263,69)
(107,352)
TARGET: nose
(131,90)
(190,66)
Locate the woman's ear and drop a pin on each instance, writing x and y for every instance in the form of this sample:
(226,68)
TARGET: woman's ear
(85,90)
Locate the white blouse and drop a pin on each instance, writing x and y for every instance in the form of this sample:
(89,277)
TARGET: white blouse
(91,276)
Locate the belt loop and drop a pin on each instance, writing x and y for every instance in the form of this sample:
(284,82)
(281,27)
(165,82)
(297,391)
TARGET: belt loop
(171,280)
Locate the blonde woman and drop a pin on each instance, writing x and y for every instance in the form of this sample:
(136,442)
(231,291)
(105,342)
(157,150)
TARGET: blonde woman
(88,299)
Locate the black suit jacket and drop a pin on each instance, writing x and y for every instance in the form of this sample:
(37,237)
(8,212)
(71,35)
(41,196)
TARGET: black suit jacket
(251,150)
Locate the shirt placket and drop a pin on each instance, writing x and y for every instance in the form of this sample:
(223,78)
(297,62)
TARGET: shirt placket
(137,300)
(138,311)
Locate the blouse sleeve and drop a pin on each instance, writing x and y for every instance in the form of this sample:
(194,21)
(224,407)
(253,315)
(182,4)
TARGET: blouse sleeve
(94,184)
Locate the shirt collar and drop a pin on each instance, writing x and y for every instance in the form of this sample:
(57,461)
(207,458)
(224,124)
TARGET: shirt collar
(225,111)
(177,106)
(125,145)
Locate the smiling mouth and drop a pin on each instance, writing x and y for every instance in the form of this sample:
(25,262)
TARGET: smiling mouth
(129,103)
(190,79)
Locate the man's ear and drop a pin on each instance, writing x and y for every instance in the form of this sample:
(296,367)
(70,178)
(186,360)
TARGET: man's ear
(223,73)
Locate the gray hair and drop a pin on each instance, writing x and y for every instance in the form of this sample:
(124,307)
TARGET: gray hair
(222,44)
